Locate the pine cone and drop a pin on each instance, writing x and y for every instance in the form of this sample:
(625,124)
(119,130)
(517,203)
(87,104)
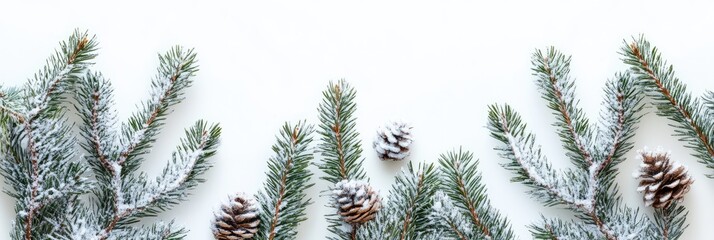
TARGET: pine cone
(393,140)
(662,180)
(238,219)
(356,201)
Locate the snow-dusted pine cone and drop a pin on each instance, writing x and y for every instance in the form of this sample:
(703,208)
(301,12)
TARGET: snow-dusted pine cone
(662,180)
(238,219)
(356,201)
(393,141)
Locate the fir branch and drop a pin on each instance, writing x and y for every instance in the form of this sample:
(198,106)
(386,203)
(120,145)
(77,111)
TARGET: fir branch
(94,101)
(462,183)
(618,123)
(670,222)
(450,219)
(590,190)
(138,198)
(552,71)
(671,98)
(340,148)
(407,214)
(176,68)
(283,200)
(43,177)
(124,197)
(532,168)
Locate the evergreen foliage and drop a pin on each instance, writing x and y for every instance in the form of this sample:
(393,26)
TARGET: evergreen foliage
(690,116)
(595,150)
(47,176)
(283,200)
(462,208)
(340,147)
(407,214)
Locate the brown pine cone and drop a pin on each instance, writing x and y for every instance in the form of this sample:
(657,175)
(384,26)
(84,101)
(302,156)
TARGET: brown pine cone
(393,141)
(662,180)
(237,220)
(356,201)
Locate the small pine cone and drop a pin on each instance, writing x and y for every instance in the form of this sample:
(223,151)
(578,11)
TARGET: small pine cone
(393,140)
(237,220)
(356,201)
(662,180)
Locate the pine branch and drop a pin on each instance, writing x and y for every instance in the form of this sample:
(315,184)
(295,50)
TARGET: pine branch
(552,71)
(670,222)
(450,220)
(340,148)
(408,210)
(138,198)
(283,200)
(44,176)
(590,190)
(176,68)
(531,167)
(124,197)
(689,115)
(462,183)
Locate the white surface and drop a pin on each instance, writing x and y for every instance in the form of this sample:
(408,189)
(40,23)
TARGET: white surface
(434,65)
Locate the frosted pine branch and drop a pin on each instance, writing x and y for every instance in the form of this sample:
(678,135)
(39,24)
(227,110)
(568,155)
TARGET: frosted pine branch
(175,70)
(449,219)
(552,72)
(532,167)
(461,182)
(669,222)
(689,115)
(590,189)
(340,146)
(124,197)
(618,122)
(283,200)
(42,173)
(408,209)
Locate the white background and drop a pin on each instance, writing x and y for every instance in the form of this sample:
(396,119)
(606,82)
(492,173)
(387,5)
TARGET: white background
(434,65)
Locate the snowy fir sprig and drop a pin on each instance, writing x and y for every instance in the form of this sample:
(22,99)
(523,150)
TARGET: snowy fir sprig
(588,190)
(125,196)
(49,179)
(43,171)
(461,208)
(691,116)
(340,147)
(283,199)
(408,210)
